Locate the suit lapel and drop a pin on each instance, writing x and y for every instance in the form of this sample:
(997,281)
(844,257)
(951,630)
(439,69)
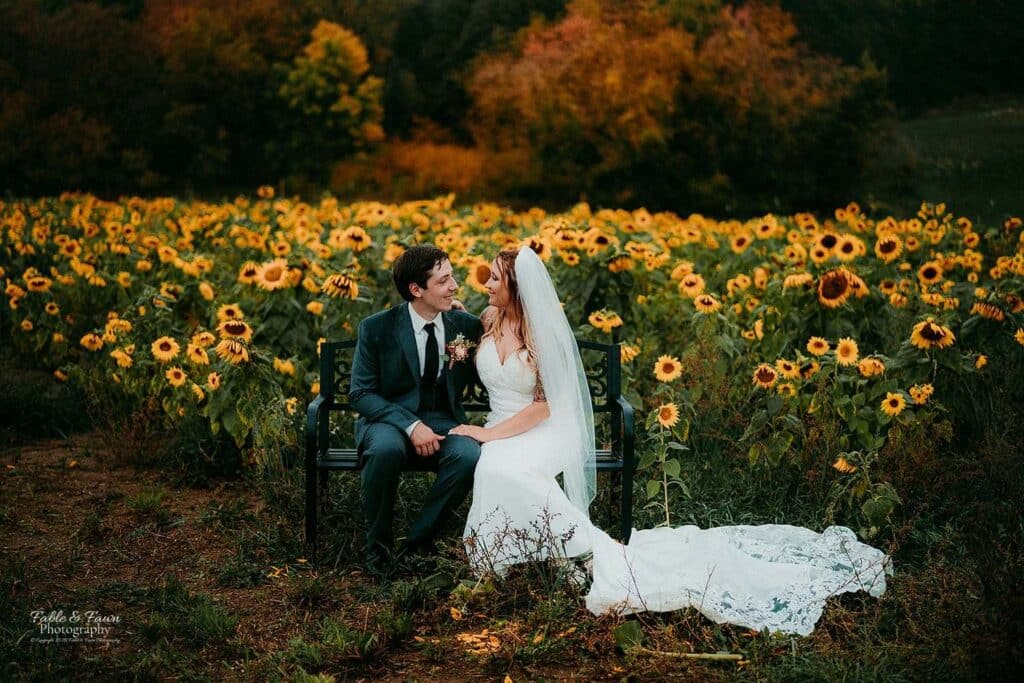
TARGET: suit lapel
(404,334)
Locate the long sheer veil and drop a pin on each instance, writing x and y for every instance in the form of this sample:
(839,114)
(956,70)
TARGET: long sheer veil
(561,372)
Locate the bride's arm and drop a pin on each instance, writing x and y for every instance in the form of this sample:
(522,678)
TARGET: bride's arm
(523,421)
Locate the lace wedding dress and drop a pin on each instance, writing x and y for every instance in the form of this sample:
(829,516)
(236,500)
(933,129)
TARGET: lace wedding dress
(772,576)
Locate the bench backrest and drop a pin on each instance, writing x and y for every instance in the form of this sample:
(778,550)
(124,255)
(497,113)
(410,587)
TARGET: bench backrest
(601,363)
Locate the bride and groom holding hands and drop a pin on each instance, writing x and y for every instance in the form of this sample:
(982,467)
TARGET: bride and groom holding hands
(411,366)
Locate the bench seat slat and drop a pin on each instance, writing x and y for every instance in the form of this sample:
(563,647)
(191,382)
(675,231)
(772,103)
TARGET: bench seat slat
(346,459)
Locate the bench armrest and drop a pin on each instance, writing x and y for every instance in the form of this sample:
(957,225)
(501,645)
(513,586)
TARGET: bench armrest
(628,432)
(313,416)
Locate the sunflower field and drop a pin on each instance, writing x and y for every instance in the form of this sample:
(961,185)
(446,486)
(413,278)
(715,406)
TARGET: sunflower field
(832,346)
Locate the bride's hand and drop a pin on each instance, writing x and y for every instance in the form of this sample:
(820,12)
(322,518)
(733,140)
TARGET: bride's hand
(472,431)
(458,305)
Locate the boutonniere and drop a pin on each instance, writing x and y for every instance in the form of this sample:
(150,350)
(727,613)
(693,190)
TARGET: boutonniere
(457,350)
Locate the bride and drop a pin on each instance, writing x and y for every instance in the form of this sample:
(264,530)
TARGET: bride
(772,576)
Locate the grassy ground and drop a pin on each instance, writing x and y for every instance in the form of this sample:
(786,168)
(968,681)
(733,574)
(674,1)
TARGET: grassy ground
(213,582)
(968,154)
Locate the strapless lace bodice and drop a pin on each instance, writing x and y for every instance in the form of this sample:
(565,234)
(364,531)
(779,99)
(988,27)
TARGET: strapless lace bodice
(509,386)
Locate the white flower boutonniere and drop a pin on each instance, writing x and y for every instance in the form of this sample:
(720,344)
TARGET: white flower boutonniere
(458,350)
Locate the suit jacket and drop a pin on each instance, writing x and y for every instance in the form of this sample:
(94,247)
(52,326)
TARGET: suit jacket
(386,373)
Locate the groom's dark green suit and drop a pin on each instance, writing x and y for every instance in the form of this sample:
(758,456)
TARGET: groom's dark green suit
(389,394)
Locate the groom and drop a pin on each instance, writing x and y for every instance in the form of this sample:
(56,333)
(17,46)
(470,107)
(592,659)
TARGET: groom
(407,395)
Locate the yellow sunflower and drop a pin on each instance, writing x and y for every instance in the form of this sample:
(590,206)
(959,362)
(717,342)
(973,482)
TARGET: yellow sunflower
(235,328)
(233,351)
(92,342)
(667,368)
(928,334)
(930,273)
(834,288)
(888,248)
(844,466)
(920,393)
(847,352)
(871,367)
(213,381)
(705,303)
(1019,336)
(810,369)
(627,353)
(197,354)
(203,339)
(229,312)
(273,275)
(691,285)
(285,367)
(765,376)
(176,376)
(893,404)
(164,349)
(818,346)
(787,369)
(340,285)
(668,415)
(797,280)
(248,272)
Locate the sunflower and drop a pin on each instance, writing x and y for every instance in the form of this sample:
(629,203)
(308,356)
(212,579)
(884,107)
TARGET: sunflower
(571,258)
(229,312)
(928,334)
(620,263)
(668,415)
(285,367)
(124,359)
(989,311)
(197,354)
(340,285)
(765,376)
(847,351)
(203,339)
(981,361)
(847,248)
(357,239)
(479,272)
(844,466)
(213,381)
(206,291)
(834,288)
(315,307)
(39,284)
(893,404)
(929,273)
(176,376)
(739,243)
(248,273)
(51,308)
(627,353)
(1019,336)
(164,349)
(920,393)
(667,368)
(705,303)
(810,369)
(888,248)
(797,280)
(787,369)
(818,346)
(235,328)
(233,351)
(691,285)
(871,367)
(786,389)
(273,275)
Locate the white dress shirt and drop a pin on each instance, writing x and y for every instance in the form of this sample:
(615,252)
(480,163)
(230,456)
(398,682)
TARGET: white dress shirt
(420,334)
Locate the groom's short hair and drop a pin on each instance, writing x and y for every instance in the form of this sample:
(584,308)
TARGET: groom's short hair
(414,265)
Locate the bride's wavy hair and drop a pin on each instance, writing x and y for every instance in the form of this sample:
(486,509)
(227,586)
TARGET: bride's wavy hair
(506,263)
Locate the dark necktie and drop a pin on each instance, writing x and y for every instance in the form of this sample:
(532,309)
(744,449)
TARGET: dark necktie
(432,355)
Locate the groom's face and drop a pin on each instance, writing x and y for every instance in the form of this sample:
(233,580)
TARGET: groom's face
(439,293)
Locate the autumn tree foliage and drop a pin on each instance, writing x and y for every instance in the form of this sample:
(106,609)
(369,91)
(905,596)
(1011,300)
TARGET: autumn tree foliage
(624,103)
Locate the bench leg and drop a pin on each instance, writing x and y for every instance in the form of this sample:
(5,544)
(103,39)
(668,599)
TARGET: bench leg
(614,481)
(311,509)
(626,504)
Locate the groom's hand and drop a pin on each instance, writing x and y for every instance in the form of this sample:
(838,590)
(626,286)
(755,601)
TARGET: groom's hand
(424,440)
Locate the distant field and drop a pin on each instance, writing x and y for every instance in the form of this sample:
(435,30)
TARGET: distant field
(969,154)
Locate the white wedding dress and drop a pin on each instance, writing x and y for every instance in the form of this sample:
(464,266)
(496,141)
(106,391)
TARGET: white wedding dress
(772,576)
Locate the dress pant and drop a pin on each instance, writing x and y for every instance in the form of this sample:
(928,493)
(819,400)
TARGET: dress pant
(387,452)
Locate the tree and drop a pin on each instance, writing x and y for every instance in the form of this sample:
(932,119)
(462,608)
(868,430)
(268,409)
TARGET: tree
(331,105)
